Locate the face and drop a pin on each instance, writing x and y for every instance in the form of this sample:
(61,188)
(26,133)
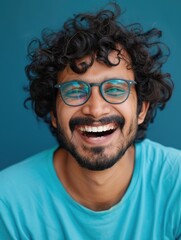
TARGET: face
(97,134)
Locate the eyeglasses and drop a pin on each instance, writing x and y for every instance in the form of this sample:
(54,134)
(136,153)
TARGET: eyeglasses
(78,92)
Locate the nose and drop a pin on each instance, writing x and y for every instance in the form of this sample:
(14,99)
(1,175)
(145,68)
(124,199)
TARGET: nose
(96,107)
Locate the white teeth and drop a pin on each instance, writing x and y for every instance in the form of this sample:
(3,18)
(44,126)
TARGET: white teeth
(97,129)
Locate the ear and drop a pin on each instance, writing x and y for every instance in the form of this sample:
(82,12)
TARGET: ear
(143,112)
(53,120)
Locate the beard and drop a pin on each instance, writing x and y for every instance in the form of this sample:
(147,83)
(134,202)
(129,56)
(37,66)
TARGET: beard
(96,158)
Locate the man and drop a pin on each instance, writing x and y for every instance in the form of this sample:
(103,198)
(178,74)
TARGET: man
(98,85)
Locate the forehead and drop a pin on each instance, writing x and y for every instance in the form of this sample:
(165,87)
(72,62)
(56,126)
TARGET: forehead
(99,71)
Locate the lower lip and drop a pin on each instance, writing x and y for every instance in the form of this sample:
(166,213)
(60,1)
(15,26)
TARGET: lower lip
(98,141)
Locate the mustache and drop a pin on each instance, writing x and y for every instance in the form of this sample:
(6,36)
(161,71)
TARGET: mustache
(79,121)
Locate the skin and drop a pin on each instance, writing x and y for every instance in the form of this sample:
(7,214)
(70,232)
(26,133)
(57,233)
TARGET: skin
(98,190)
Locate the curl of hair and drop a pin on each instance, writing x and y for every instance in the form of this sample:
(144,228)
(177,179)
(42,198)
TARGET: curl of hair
(98,34)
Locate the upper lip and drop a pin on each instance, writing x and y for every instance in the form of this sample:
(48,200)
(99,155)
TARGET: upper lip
(100,128)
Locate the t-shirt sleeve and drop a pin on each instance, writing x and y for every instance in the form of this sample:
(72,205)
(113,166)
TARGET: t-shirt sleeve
(8,228)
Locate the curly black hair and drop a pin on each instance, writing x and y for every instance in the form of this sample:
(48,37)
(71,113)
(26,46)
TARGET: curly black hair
(99,34)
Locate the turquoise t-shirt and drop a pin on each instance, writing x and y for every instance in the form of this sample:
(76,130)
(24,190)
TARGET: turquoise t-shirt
(35,205)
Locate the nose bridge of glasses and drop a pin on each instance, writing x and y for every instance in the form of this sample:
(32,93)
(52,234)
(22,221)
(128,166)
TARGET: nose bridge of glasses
(96,85)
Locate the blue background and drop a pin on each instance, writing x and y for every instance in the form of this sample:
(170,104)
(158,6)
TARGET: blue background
(21,135)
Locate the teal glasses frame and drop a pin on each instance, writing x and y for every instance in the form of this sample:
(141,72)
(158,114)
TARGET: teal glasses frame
(78,92)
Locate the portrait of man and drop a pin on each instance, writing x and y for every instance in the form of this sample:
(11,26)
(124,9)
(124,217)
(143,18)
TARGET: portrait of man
(98,84)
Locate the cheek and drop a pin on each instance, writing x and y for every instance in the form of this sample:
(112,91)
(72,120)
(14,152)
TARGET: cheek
(64,114)
(128,110)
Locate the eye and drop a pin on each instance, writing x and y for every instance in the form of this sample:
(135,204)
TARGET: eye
(75,93)
(74,90)
(112,90)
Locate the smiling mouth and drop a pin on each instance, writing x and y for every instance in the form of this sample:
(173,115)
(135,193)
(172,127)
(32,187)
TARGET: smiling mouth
(97,131)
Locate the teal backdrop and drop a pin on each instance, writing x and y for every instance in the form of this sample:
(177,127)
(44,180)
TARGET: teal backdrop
(21,20)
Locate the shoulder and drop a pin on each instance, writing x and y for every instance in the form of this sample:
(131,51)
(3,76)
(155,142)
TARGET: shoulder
(20,177)
(160,178)
(162,164)
(155,152)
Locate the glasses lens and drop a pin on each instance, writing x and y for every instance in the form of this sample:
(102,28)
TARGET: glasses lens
(115,90)
(75,93)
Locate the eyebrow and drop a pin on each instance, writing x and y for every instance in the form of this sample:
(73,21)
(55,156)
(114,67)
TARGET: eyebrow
(95,80)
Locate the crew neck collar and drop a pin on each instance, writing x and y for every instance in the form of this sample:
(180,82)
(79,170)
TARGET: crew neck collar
(62,192)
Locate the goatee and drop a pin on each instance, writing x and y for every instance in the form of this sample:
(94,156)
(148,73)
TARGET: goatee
(95,158)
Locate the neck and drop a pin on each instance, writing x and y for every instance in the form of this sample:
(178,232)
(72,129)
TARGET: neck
(96,190)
